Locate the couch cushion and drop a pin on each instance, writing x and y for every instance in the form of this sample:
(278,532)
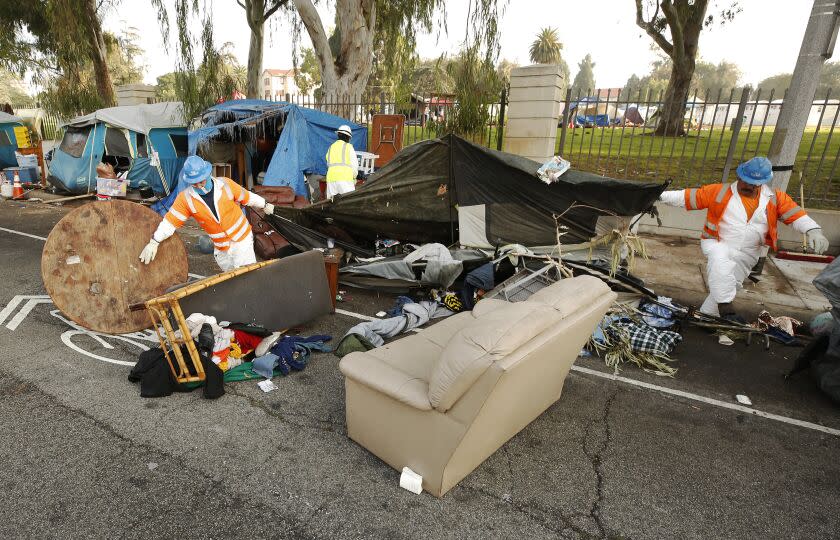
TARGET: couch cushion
(474,348)
(442,330)
(487,305)
(570,294)
(412,354)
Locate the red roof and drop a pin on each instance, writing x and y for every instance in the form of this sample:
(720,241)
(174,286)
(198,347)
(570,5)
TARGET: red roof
(278,72)
(609,92)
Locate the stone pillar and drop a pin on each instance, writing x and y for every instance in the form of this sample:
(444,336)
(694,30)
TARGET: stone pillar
(135,94)
(533,113)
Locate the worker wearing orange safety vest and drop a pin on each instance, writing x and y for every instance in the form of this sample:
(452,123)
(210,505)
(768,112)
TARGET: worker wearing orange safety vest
(741,218)
(215,205)
(342,164)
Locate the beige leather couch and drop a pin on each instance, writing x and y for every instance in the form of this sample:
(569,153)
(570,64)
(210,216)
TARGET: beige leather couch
(442,400)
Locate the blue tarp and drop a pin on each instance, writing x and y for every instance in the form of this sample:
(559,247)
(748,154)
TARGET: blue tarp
(302,147)
(600,120)
(586,103)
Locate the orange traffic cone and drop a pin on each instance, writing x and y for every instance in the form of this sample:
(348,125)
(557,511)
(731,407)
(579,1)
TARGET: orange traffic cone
(17,189)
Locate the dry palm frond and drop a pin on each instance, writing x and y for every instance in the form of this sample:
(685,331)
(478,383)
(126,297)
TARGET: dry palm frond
(617,241)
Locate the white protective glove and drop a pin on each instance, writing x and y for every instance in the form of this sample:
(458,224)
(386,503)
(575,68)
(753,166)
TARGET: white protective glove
(268,209)
(149,252)
(817,241)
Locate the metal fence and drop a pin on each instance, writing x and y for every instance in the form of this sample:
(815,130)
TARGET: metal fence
(610,132)
(45,124)
(424,114)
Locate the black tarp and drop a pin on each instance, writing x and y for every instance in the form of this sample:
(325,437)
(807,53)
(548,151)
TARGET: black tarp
(415,198)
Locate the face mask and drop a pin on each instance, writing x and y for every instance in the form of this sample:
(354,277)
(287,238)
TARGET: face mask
(208,185)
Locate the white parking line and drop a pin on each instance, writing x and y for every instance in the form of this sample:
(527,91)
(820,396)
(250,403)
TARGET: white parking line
(36,237)
(610,376)
(710,401)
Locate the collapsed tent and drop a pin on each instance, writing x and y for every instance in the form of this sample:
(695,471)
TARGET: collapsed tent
(449,189)
(148,142)
(8,140)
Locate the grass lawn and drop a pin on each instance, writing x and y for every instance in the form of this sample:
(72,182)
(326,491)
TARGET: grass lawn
(699,158)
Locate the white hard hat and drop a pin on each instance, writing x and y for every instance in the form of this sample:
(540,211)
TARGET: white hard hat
(345,129)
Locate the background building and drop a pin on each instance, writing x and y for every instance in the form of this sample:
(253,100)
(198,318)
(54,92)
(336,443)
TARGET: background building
(277,83)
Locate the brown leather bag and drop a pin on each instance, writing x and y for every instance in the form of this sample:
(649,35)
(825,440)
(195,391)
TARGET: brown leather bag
(268,243)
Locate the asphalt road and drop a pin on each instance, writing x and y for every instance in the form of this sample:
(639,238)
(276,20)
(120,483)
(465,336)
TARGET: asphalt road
(86,457)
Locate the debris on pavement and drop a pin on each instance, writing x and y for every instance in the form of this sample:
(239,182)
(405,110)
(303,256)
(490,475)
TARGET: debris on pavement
(622,337)
(267,385)
(411,481)
(743,400)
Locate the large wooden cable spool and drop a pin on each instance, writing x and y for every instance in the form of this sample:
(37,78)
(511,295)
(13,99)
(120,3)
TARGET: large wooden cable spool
(91,268)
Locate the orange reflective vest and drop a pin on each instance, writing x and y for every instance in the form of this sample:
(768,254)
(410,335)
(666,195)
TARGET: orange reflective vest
(231,225)
(715,197)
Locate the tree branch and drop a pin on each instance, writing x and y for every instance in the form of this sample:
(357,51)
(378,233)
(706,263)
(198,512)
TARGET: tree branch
(315,28)
(675,25)
(274,9)
(648,27)
(241,5)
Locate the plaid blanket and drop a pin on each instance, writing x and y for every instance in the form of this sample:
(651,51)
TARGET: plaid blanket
(643,338)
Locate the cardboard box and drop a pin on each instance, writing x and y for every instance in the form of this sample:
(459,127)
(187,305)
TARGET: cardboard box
(111,187)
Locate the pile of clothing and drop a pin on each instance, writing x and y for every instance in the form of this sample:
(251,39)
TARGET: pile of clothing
(229,352)
(232,342)
(783,328)
(407,314)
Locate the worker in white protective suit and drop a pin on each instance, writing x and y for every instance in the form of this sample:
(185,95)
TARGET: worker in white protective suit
(342,164)
(215,203)
(741,218)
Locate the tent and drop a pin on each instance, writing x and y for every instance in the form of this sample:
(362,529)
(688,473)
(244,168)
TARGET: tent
(282,139)
(147,141)
(633,116)
(8,141)
(450,190)
(593,112)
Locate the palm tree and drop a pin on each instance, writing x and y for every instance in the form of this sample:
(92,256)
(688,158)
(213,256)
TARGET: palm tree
(546,48)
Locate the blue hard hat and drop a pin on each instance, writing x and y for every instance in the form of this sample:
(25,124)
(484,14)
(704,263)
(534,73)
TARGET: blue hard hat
(195,170)
(757,171)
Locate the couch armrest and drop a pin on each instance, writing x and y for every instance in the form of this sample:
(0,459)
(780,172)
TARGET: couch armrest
(374,373)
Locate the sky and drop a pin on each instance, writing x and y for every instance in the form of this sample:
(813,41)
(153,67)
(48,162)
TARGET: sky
(763,40)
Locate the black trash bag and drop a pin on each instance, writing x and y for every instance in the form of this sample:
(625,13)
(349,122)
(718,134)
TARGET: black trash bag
(825,369)
(825,365)
(214,386)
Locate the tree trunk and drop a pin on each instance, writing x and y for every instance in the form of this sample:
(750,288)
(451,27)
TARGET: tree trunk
(343,78)
(98,55)
(255,14)
(676,95)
